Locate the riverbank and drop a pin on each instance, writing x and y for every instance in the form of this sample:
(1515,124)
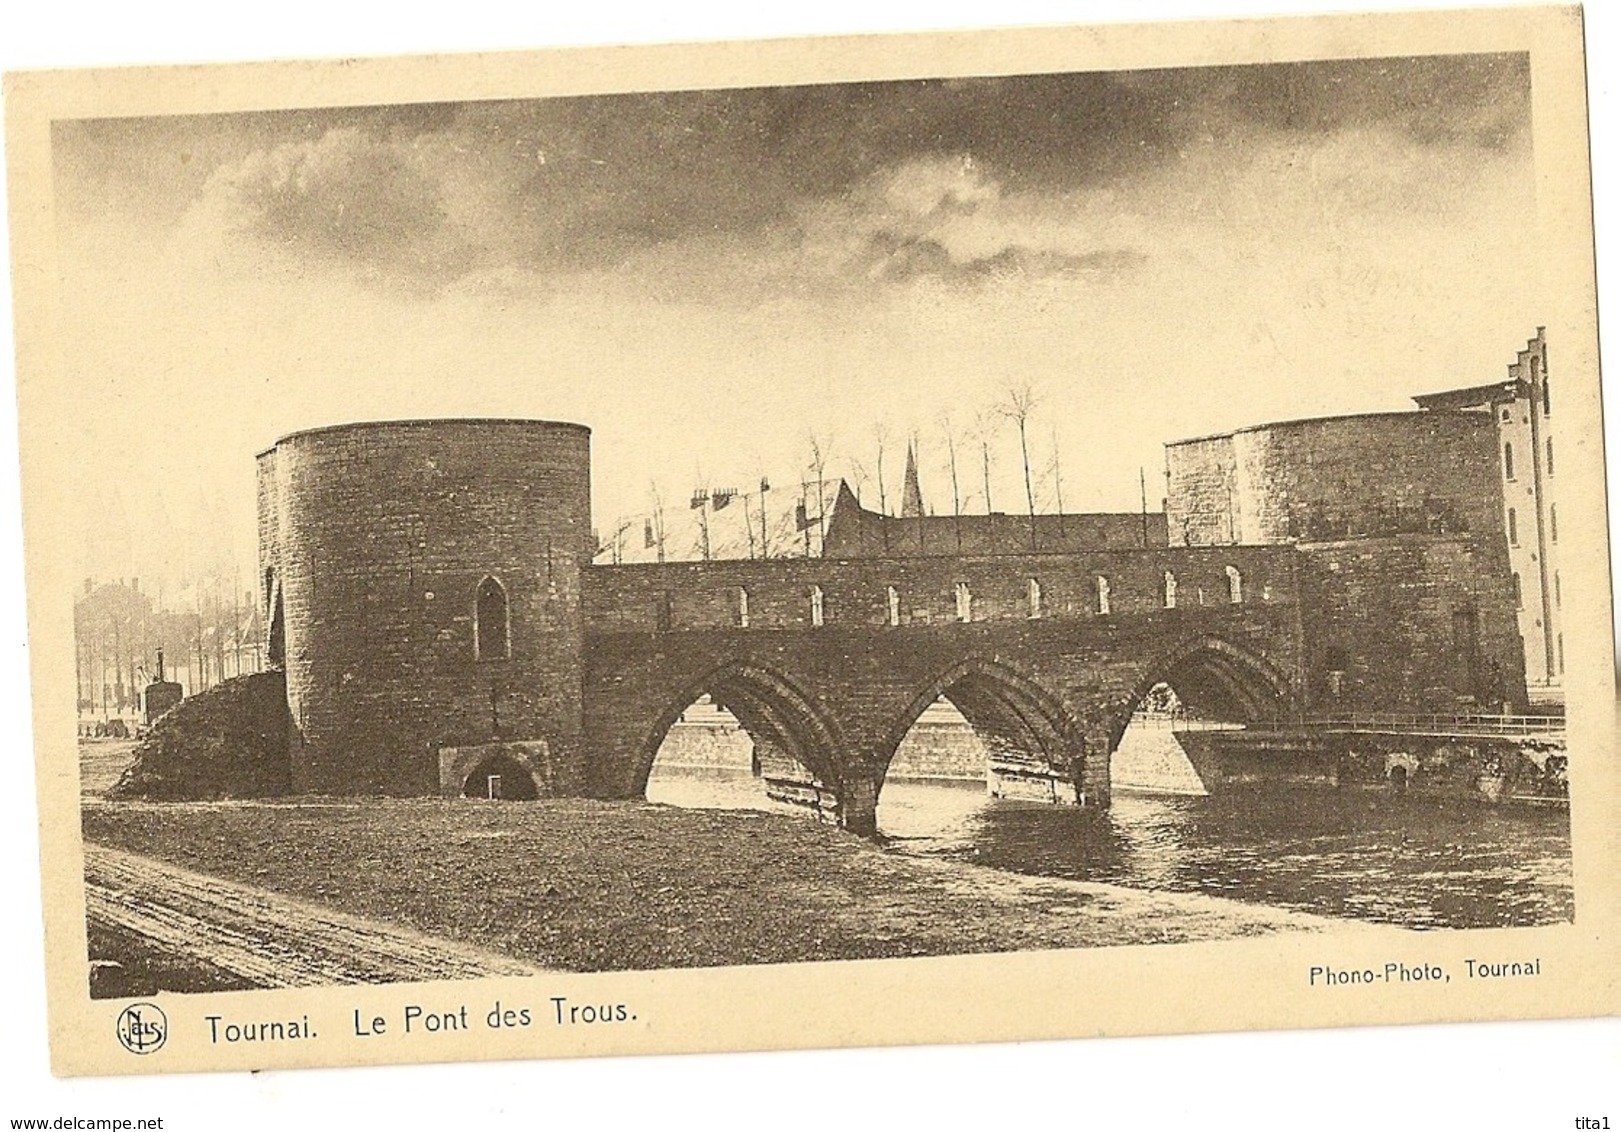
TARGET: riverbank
(584,885)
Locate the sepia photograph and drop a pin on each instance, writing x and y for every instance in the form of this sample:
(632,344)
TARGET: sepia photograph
(585,553)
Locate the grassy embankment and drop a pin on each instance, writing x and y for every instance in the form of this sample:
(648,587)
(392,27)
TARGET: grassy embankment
(585,885)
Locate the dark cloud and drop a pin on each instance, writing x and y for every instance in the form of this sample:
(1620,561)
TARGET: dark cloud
(430,193)
(1480,100)
(897,258)
(347,196)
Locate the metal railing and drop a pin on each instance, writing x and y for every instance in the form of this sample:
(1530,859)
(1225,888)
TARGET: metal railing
(1465,723)
(1176,721)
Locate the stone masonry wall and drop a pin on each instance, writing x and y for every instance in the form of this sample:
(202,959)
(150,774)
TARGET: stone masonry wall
(706,595)
(380,536)
(1394,616)
(1336,478)
(1200,481)
(269,499)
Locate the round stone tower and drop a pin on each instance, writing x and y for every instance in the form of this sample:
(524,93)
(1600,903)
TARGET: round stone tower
(421,584)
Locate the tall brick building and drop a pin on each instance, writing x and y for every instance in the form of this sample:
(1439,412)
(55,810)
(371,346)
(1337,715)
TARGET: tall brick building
(1521,408)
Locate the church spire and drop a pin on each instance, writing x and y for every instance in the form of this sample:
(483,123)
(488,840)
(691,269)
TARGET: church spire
(912,495)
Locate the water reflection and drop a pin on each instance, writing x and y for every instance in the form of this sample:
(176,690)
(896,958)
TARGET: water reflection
(1372,856)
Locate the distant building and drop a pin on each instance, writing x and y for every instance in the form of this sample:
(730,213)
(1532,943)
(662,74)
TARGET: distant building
(785,521)
(853,531)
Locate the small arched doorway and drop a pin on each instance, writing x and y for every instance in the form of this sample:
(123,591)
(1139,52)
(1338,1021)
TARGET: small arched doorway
(500,778)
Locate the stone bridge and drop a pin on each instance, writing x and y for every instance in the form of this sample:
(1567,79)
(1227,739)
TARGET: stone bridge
(431,595)
(830,663)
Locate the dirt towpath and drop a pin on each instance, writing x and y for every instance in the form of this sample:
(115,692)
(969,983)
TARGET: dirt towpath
(264,938)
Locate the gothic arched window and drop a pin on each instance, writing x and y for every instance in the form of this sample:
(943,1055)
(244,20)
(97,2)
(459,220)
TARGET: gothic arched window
(492,622)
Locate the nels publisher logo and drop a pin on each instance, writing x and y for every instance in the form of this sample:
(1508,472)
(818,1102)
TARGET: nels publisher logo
(142,1028)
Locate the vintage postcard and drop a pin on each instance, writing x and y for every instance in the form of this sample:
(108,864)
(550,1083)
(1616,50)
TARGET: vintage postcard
(880,540)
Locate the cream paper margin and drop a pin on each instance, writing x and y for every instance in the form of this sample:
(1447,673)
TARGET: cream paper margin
(1123,990)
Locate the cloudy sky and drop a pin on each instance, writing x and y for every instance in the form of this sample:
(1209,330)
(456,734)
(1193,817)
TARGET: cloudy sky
(706,278)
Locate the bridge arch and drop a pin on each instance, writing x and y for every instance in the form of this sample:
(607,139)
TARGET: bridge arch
(770,708)
(1214,677)
(1020,722)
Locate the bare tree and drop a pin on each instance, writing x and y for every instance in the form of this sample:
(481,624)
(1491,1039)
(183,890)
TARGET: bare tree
(860,477)
(821,450)
(765,491)
(950,431)
(986,425)
(617,545)
(700,503)
(1058,485)
(657,520)
(880,434)
(1016,406)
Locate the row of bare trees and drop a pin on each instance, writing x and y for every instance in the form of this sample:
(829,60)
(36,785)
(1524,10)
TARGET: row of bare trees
(970,451)
(795,525)
(119,629)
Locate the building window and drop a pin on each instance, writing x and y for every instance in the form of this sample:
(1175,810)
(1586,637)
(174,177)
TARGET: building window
(1170,590)
(1553,521)
(1550,455)
(965,602)
(1034,588)
(1235,586)
(742,608)
(492,623)
(1466,648)
(1561,640)
(894,606)
(1557,602)
(1547,402)
(1336,662)
(1508,461)
(1513,528)
(1103,594)
(1507,416)
(818,611)
(1519,598)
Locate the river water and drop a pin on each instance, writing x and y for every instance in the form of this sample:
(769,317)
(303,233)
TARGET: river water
(1365,855)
